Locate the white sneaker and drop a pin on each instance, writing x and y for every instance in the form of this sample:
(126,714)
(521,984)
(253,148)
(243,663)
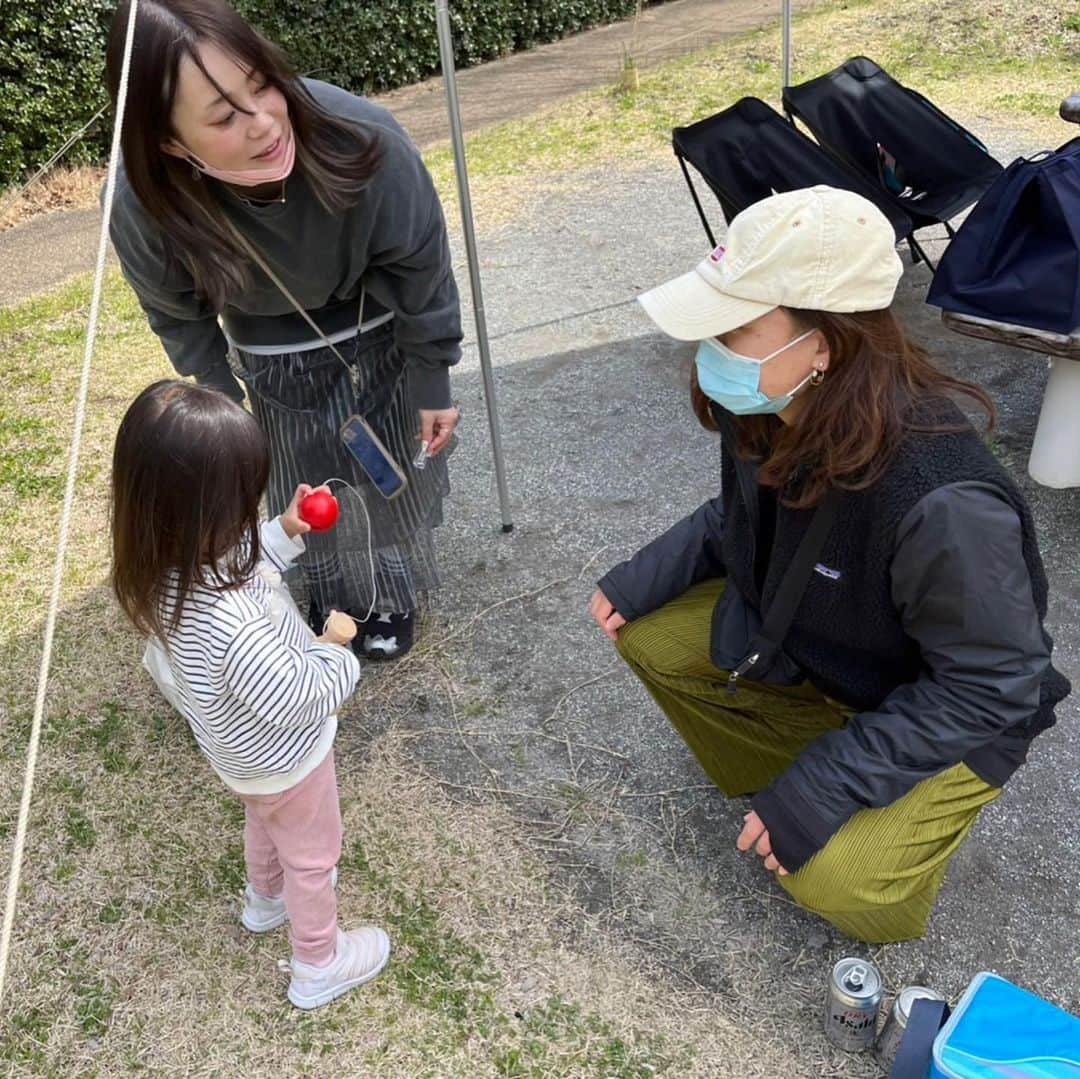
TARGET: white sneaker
(262,913)
(361,954)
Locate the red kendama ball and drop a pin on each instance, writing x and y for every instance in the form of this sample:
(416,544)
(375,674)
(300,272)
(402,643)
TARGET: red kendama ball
(320,510)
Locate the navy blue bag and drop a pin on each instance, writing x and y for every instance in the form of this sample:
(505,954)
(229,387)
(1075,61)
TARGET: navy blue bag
(1016,259)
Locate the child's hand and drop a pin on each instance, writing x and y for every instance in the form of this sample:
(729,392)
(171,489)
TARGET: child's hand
(291,521)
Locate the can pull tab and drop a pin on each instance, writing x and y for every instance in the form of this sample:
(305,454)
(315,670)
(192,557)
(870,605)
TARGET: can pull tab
(855,978)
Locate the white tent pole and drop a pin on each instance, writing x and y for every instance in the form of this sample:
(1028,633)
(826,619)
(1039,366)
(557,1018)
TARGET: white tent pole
(786,33)
(446,52)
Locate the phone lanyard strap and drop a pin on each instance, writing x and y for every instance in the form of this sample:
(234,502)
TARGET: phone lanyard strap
(264,266)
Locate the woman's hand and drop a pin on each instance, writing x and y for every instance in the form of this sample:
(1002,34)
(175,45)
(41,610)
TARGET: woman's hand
(293,524)
(436,427)
(607,618)
(755,834)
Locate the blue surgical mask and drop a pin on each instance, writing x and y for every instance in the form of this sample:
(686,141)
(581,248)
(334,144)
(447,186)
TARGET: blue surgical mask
(733,381)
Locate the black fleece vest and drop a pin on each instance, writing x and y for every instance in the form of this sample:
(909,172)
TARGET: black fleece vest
(847,635)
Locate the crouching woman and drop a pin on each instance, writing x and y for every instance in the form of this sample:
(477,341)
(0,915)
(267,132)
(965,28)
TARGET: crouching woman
(873,676)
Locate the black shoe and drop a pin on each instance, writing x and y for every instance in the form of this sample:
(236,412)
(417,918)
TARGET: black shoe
(386,635)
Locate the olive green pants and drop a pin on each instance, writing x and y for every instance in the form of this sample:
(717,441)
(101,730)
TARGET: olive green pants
(878,877)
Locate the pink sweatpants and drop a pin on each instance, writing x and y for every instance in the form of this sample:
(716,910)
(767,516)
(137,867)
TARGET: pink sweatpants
(292,841)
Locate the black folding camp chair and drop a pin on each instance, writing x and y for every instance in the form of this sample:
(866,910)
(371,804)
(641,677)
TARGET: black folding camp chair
(749,152)
(923,161)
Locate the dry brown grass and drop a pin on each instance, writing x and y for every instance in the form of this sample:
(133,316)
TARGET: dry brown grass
(64,188)
(128,955)
(147,922)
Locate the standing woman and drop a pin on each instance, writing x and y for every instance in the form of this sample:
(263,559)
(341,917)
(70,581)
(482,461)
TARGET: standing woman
(851,632)
(282,232)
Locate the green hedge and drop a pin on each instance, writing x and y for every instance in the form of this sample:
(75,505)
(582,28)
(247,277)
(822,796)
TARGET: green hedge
(51,64)
(51,54)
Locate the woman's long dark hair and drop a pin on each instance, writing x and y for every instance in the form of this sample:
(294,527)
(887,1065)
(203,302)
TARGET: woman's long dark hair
(879,386)
(337,158)
(189,469)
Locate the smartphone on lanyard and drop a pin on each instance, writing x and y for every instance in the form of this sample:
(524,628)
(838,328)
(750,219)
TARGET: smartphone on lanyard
(373,457)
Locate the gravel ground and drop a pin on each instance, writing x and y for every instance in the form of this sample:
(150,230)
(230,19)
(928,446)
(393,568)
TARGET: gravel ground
(603,454)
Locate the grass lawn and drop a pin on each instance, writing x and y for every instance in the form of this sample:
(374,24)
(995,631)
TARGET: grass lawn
(128,957)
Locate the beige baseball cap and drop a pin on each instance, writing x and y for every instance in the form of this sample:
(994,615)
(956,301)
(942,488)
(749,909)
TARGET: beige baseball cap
(818,249)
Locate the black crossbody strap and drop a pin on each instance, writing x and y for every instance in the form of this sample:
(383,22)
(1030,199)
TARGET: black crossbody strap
(789,595)
(764,649)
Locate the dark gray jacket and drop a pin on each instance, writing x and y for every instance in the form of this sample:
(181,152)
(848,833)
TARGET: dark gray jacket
(394,238)
(925,615)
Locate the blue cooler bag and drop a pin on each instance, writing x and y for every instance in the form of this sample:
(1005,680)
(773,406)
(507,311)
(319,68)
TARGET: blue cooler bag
(998,1031)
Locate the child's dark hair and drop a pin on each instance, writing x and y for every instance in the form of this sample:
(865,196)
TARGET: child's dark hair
(189,470)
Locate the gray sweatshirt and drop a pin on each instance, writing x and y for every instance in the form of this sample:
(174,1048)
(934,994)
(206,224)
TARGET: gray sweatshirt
(394,237)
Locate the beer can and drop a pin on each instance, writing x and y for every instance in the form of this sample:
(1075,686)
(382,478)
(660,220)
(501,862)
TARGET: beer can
(852,1003)
(896,1022)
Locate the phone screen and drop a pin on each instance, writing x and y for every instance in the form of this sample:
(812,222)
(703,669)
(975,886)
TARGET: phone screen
(373,457)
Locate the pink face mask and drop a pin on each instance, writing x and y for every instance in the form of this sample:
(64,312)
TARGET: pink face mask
(250,177)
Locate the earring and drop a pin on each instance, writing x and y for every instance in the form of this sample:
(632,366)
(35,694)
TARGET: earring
(195,174)
(817,377)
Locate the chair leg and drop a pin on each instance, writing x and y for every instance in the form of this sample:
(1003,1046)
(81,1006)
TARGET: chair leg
(950,230)
(918,254)
(697,201)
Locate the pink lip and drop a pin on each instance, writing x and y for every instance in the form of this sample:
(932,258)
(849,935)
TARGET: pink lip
(273,151)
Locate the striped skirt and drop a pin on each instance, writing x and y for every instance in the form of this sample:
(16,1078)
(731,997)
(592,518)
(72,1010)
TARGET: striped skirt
(386,556)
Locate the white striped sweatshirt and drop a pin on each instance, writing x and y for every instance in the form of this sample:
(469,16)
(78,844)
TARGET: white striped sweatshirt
(261,695)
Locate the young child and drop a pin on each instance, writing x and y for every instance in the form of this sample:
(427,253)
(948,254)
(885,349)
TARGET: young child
(194,570)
